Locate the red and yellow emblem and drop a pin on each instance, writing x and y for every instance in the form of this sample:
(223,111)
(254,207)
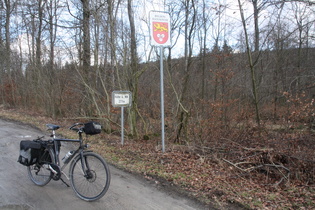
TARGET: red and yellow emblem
(160,32)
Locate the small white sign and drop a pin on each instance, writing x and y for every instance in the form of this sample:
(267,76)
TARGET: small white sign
(121,98)
(160,28)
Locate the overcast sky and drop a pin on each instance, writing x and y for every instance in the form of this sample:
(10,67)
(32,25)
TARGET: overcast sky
(230,28)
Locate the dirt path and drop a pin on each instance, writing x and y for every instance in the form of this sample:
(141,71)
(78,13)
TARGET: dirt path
(126,191)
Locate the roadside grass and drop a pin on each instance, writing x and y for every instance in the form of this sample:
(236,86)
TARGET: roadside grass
(210,180)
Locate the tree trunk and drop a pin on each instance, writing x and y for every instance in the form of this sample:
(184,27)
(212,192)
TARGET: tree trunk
(256,15)
(189,29)
(53,105)
(7,54)
(251,65)
(86,58)
(133,83)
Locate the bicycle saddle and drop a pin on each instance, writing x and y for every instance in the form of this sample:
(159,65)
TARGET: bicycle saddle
(52,127)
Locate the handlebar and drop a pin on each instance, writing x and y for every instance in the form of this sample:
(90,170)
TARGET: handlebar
(74,127)
(90,128)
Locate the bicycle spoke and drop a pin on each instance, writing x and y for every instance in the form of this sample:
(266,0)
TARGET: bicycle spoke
(89,177)
(38,173)
(95,183)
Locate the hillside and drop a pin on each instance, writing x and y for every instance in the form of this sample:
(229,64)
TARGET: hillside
(270,170)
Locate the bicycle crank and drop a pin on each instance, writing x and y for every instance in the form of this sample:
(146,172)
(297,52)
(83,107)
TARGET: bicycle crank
(56,172)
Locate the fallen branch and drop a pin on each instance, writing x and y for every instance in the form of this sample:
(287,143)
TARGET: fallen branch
(250,169)
(249,149)
(234,165)
(269,165)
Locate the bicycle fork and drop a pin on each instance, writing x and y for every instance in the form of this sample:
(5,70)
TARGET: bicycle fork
(85,167)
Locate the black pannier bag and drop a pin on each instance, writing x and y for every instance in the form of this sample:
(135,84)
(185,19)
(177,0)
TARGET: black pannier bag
(92,128)
(30,152)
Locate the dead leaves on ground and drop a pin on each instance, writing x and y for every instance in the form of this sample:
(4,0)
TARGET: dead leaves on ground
(209,178)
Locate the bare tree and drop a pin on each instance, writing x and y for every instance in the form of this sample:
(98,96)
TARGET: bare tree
(9,7)
(52,10)
(251,64)
(32,15)
(38,38)
(8,11)
(190,10)
(86,57)
(110,44)
(204,49)
(134,71)
(300,17)
(111,37)
(52,102)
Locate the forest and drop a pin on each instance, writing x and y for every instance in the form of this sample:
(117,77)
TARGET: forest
(239,75)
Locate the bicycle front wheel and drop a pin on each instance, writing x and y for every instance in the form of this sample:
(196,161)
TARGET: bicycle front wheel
(39,172)
(92,184)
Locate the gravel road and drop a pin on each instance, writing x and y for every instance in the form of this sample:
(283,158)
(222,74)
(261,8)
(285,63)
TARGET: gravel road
(126,191)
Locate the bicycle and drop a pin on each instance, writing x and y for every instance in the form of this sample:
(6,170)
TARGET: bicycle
(89,174)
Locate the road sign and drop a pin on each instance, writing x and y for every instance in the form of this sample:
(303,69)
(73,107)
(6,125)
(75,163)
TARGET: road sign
(121,98)
(160,36)
(160,28)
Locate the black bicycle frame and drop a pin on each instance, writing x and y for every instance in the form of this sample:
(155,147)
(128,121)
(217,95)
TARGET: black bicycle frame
(57,161)
(80,149)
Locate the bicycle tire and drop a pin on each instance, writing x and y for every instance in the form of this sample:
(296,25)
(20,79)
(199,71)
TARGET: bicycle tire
(94,187)
(38,173)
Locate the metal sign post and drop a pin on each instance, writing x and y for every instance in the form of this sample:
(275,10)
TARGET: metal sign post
(160,35)
(162,99)
(122,125)
(121,99)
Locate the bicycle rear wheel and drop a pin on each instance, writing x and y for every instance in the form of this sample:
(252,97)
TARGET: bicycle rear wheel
(39,173)
(95,183)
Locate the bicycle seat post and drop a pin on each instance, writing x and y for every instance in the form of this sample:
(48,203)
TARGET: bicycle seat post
(56,149)
(53,134)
